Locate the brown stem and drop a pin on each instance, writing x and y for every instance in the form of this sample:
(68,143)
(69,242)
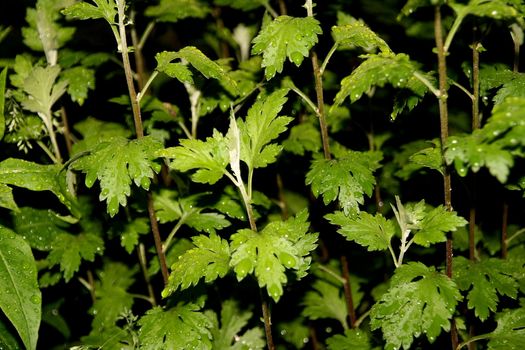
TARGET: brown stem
(504,230)
(348,292)
(320,105)
(443,118)
(67,132)
(282,7)
(224,51)
(267,321)
(141,253)
(91,282)
(140,66)
(475,86)
(140,134)
(313,337)
(471,233)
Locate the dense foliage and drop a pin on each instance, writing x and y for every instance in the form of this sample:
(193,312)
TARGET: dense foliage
(256,174)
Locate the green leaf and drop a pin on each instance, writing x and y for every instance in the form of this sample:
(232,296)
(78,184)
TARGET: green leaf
(175,10)
(20,299)
(197,60)
(106,9)
(116,164)
(435,224)
(514,87)
(6,198)
(493,76)
(285,37)
(227,335)
(279,246)
(8,340)
(377,70)
(51,316)
(426,158)
(80,80)
(209,157)
(69,250)
(262,125)
(39,227)
(180,327)
(358,34)
(130,235)
(325,301)
(41,89)
(3,78)
(419,301)
(303,138)
(209,259)
(496,9)
(354,339)
(484,279)
(371,231)
(111,295)
(295,332)
(346,179)
(245,5)
(510,331)
(95,131)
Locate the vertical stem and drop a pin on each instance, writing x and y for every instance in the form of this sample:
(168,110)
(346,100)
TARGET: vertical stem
(140,66)
(504,230)
(267,321)
(443,117)
(348,292)
(141,252)
(67,131)
(224,52)
(320,105)
(140,133)
(282,7)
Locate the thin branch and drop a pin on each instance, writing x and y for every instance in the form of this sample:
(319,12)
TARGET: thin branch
(47,151)
(175,229)
(327,58)
(145,35)
(463,89)
(473,339)
(427,83)
(270,9)
(306,99)
(141,253)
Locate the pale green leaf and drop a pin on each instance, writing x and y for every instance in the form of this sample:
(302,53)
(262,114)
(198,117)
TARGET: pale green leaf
(510,332)
(209,157)
(304,137)
(435,224)
(371,231)
(227,334)
(484,280)
(41,89)
(419,301)
(116,163)
(346,179)
(285,37)
(106,9)
(262,126)
(175,10)
(39,227)
(181,327)
(358,34)
(209,258)
(496,9)
(377,70)
(354,339)
(20,299)
(68,251)
(80,81)
(279,246)
(111,295)
(129,237)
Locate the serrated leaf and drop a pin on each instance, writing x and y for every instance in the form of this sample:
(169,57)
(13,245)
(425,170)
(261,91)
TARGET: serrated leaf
(354,339)
(427,158)
(39,227)
(181,327)
(111,295)
(303,138)
(106,9)
(20,299)
(435,224)
(68,251)
(6,198)
(484,280)
(514,87)
(42,90)
(377,70)
(209,259)
(175,10)
(325,301)
(510,331)
(346,179)
(371,231)
(262,126)
(496,9)
(227,335)
(80,81)
(197,60)
(493,76)
(209,157)
(176,249)
(116,163)
(130,235)
(358,34)
(419,301)
(279,246)
(285,37)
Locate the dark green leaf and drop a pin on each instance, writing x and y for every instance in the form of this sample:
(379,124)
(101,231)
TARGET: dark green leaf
(39,227)
(245,5)
(510,332)
(303,138)
(354,339)
(129,237)
(80,81)
(175,10)
(285,37)
(325,301)
(20,299)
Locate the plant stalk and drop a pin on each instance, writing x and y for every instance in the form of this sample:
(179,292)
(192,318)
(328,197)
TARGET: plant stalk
(348,292)
(267,321)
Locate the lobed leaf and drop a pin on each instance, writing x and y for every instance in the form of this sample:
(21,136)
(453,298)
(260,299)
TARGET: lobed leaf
(20,299)
(129,237)
(42,90)
(279,246)
(80,80)
(435,224)
(210,258)
(358,34)
(82,10)
(346,179)
(354,339)
(510,331)
(326,300)
(175,10)
(419,301)
(285,37)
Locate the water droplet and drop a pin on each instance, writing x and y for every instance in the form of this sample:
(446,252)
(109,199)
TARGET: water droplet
(35,299)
